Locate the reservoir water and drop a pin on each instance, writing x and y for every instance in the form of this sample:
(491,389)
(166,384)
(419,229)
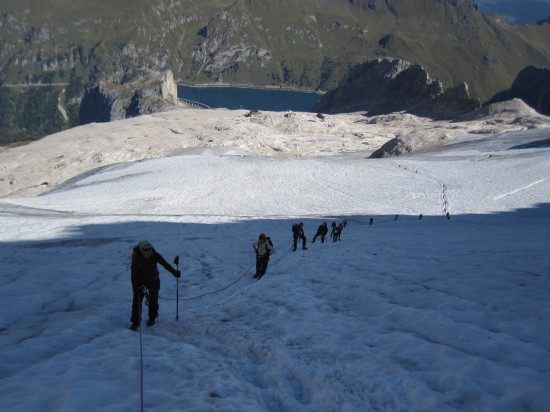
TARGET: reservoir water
(249,99)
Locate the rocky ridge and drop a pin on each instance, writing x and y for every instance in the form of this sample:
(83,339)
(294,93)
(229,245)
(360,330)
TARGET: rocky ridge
(106,102)
(532,86)
(388,85)
(51,52)
(306,43)
(510,115)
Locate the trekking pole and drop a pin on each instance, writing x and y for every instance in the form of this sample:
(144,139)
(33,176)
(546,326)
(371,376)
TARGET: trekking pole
(176,262)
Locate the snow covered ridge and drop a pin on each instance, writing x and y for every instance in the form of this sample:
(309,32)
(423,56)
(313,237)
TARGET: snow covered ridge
(404,313)
(42,165)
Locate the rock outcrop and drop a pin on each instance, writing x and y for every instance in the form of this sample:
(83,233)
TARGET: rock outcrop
(512,114)
(389,85)
(532,85)
(106,101)
(415,141)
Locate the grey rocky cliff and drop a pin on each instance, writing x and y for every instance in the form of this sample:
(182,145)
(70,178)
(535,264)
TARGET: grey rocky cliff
(532,85)
(106,101)
(387,85)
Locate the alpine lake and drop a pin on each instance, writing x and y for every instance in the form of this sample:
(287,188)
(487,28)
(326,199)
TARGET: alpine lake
(249,98)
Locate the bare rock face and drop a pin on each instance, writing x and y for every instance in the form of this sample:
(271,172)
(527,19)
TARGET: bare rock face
(532,85)
(416,141)
(513,114)
(383,86)
(106,102)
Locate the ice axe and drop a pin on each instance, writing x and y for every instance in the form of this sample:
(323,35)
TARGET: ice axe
(176,262)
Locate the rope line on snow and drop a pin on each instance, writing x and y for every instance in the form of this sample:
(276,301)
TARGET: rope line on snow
(279,259)
(195,297)
(442,186)
(273,264)
(141,355)
(445,202)
(219,290)
(229,285)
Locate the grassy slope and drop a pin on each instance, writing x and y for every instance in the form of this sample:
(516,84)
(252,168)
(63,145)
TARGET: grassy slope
(125,39)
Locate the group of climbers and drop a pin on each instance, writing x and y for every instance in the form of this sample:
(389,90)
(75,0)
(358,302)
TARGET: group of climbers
(145,274)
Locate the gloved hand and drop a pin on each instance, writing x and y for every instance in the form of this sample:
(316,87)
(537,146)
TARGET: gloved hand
(178,274)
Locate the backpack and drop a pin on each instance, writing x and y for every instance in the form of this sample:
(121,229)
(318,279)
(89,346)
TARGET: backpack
(267,251)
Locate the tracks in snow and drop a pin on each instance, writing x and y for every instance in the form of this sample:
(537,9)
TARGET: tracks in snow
(442,186)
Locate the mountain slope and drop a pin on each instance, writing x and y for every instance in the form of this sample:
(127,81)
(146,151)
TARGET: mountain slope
(51,51)
(308,43)
(45,164)
(401,314)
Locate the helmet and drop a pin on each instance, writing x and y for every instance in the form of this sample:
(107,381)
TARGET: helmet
(301,224)
(262,236)
(143,243)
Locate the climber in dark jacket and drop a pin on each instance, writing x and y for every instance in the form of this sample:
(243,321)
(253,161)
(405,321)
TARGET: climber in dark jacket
(298,233)
(337,232)
(145,275)
(321,231)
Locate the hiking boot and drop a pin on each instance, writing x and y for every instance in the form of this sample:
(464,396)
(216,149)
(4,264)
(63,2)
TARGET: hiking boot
(134,326)
(304,248)
(150,322)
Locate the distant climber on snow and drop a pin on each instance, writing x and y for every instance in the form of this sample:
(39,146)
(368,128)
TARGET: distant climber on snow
(263,248)
(322,231)
(337,232)
(333,226)
(298,233)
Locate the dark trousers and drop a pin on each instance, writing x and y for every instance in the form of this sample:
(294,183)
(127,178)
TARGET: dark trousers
(296,237)
(261,265)
(319,234)
(137,302)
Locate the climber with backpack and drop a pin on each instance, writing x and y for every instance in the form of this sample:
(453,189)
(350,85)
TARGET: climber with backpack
(146,281)
(298,233)
(322,231)
(263,248)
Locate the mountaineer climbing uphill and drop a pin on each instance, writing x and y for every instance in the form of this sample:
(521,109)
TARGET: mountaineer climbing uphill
(337,232)
(263,248)
(145,279)
(298,233)
(322,231)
